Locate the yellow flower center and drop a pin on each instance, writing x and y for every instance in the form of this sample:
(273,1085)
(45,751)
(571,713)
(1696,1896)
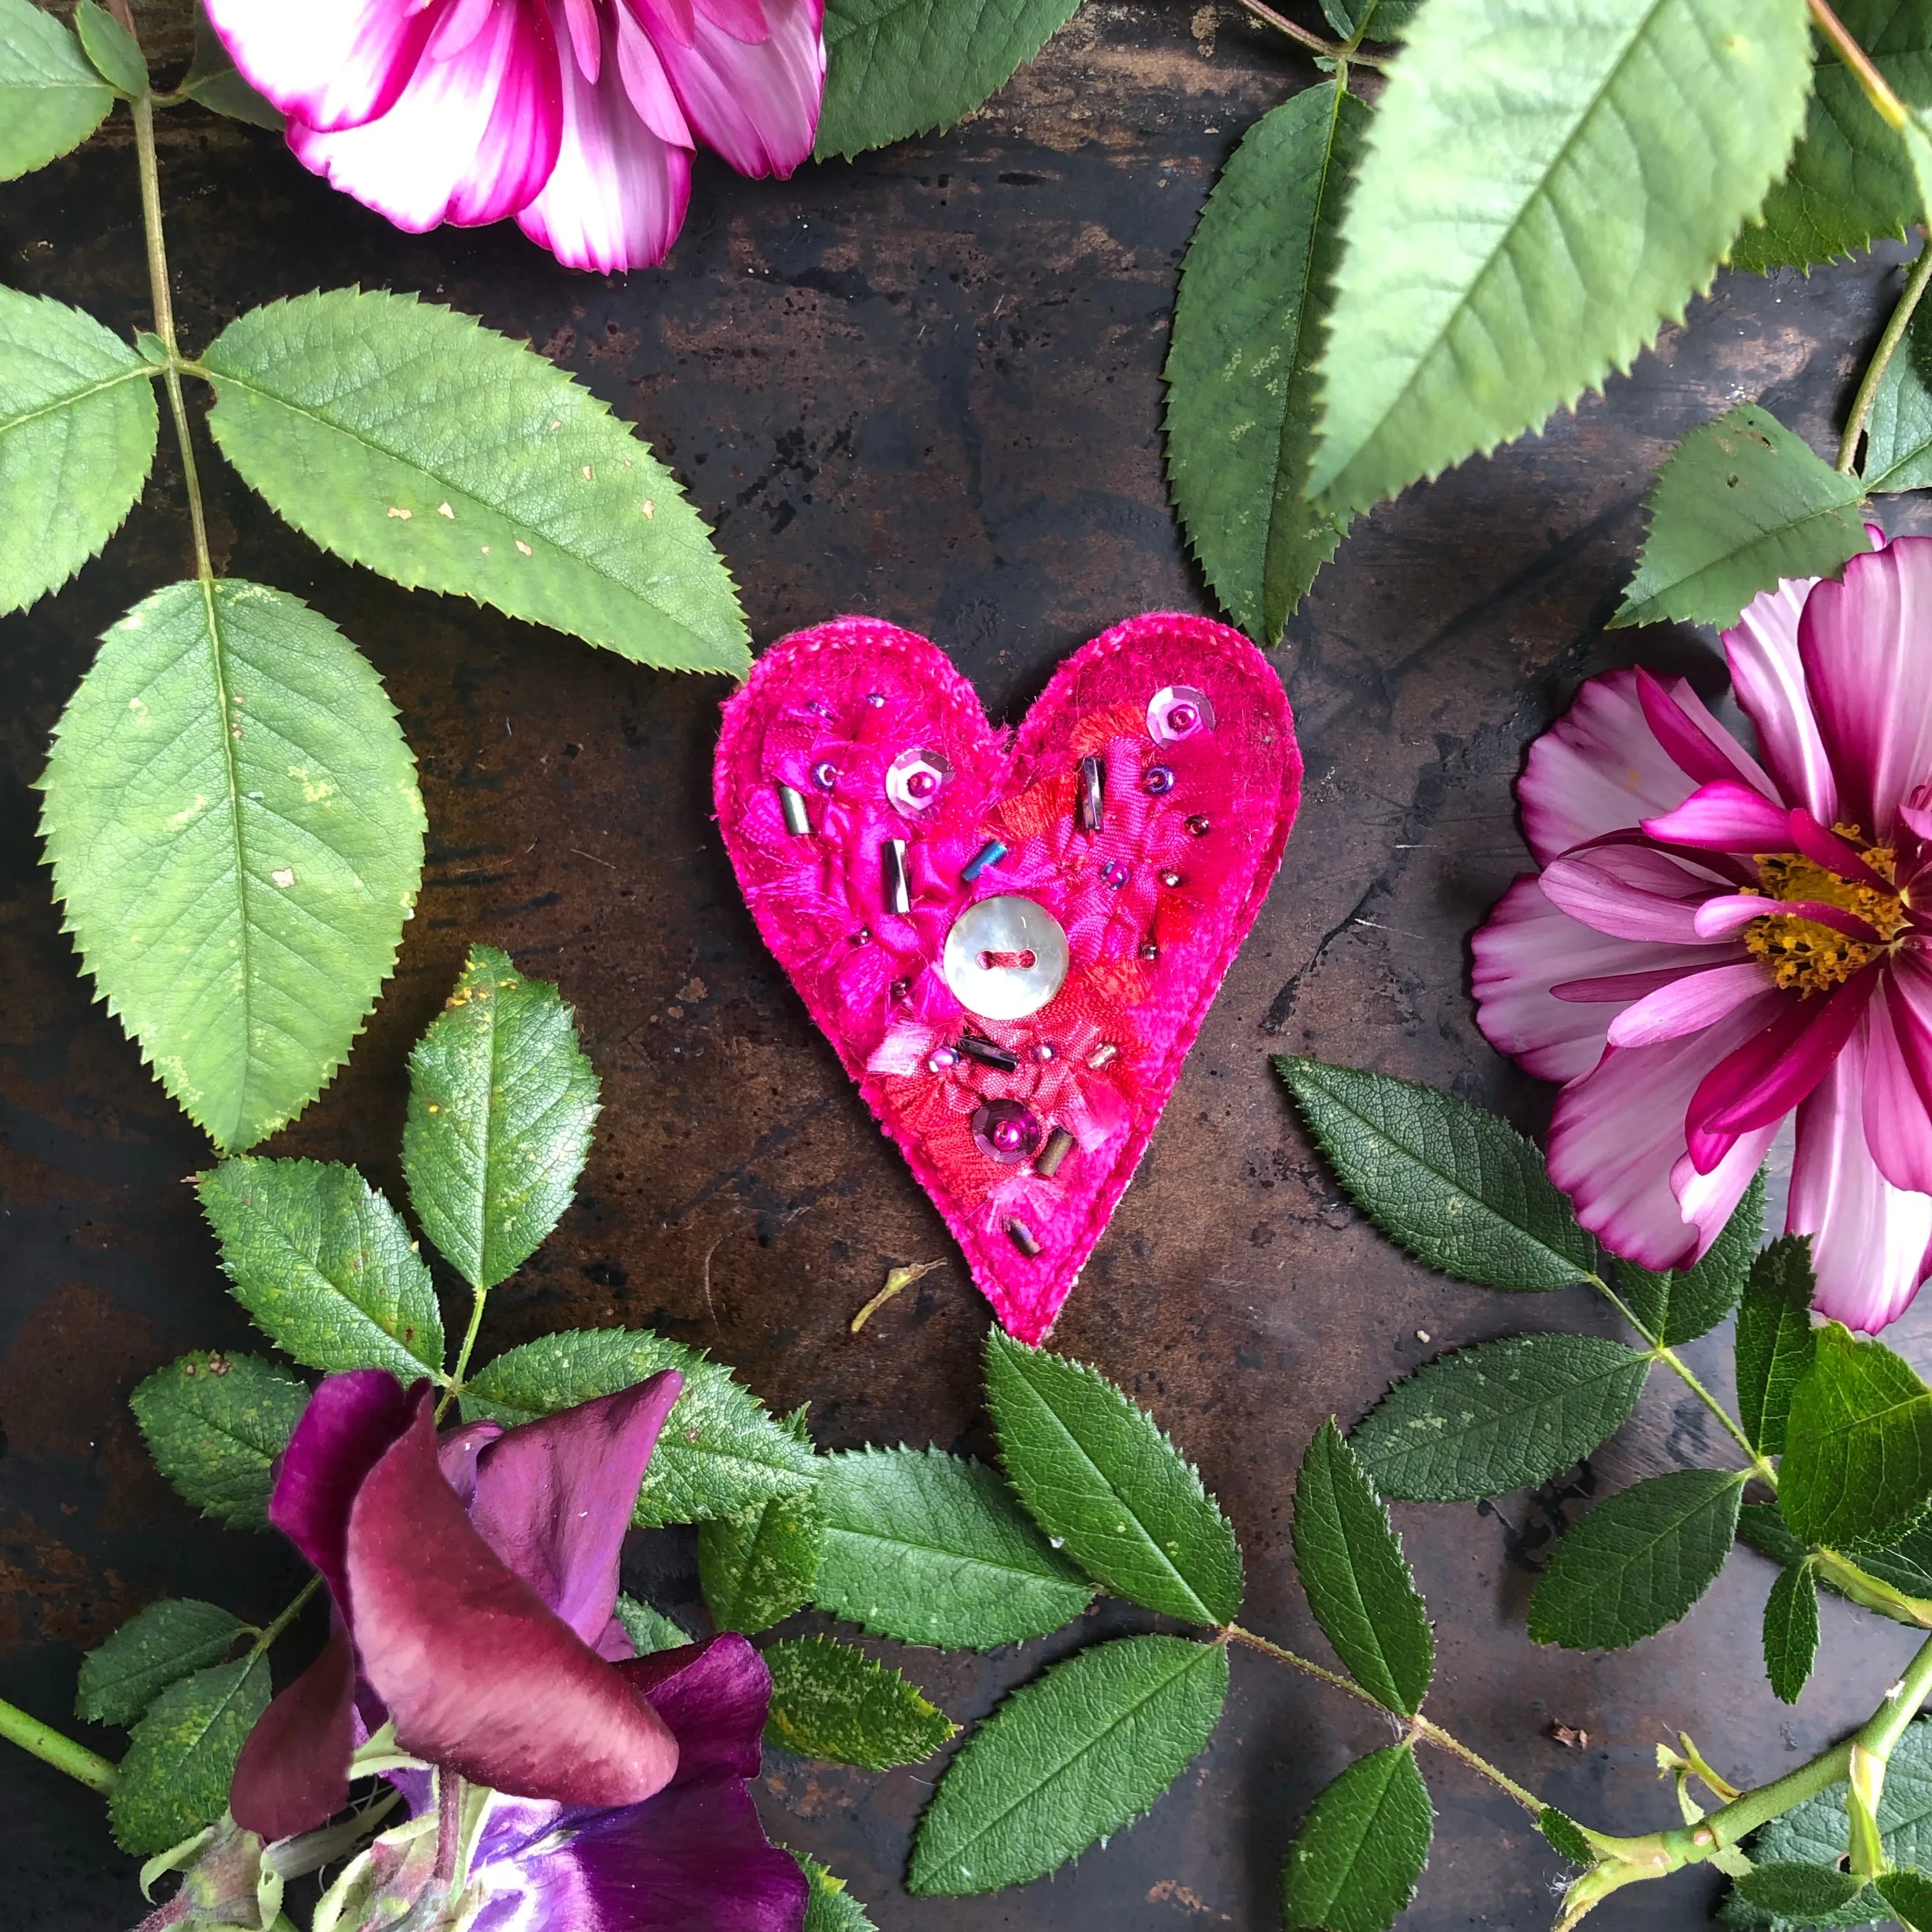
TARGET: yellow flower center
(1803,954)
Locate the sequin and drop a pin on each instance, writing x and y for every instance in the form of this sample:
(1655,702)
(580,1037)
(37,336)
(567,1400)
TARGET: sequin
(913,779)
(1006,1131)
(1178,711)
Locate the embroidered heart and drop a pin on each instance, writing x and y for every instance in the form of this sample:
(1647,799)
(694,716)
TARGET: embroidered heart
(1012,941)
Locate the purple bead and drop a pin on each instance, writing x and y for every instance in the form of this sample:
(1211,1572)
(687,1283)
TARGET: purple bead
(1182,719)
(1114,875)
(875,698)
(1043,1052)
(825,774)
(863,936)
(942,1058)
(1198,825)
(1156,781)
(1006,1131)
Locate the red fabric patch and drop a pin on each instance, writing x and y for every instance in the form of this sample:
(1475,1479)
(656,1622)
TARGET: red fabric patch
(1154,904)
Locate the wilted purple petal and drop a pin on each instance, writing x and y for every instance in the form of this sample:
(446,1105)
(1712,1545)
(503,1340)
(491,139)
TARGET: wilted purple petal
(715,1697)
(293,1772)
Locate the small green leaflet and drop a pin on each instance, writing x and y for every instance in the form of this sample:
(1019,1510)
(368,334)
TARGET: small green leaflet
(720,1452)
(933,1549)
(1739,503)
(1791,1631)
(1898,432)
(1849,181)
(213,83)
(235,828)
(1566,1836)
(1775,1340)
(830,1907)
(51,99)
(831,1702)
(401,435)
(77,424)
(1909,1894)
(325,1265)
(1638,1561)
(1458,1188)
(898,67)
(1519,227)
(649,1630)
(1247,327)
(1071,1758)
(1097,1474)
(1799,1891)
(501,1103)
(214,1425)
(1355,1864)
(1858,1457)
(175,1777)
(1502,1415)
(154,1648)
(1682,1304)
(761,1564)
(115,53)
(1370,19)
(1357,1583)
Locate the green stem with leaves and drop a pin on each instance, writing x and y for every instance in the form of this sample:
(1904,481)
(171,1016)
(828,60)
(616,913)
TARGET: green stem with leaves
(54,1747)
(479,1296)
(1887,344)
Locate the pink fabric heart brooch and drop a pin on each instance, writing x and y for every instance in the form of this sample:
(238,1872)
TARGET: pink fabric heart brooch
(1011,940)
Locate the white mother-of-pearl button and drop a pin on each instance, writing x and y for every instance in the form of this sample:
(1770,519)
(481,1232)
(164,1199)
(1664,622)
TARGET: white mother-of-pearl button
(1008,925)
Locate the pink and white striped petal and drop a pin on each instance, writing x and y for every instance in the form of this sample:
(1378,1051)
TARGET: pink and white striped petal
(1768,675)
(1691,1003)
(329,64)
(1630,892)
(1898,1125)
(471,140)
(756,103)
(1725,816)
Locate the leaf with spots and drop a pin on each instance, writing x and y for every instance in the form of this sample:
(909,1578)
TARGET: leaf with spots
(649,1630)
(233,822)
(400,435)
(175,1777)
(214,1424)
(759,1566)
(833,1702)
(1098,1477)
(154,1648)
(501,1103)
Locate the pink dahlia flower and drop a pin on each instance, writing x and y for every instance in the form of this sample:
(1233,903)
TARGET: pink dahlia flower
(578,117)
(1716,940)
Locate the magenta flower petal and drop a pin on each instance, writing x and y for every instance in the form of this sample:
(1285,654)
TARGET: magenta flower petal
(1659,903)
(617,197)
(457,1451)
(1871,1243)
(1696,742)
(1598,769)
(477,1672)
(293,1772)
(1725,816)
(1768,675)
(1691,1003)
(757,103)
(715,1697)
(1898,1125)
(1618,1132)
(470,140)
(350,1420)
(329,63)
(554,1497)
(1869,673)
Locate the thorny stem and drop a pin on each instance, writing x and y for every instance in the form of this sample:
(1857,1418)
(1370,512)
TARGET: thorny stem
(1887,343)
(287,1617)
(54,1747)
(463,1354)
(1416,1726)
(143,109)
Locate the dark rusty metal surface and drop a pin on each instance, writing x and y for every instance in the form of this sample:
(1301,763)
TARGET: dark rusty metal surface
(924,386)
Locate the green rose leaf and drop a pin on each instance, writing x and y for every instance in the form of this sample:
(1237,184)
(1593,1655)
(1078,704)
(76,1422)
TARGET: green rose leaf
(1502,1415)
(1355,1864)
(1791,1631)
(649,1630)
(831,1702)
(403,437)
(1071,1758)
(51,99)
(1370,19)
(1898,432)
(759,1566)
(1858,1456)
(77,425)
(1799,1891)
(898,67)
(1247,327)
(933,1549)
(154,1648)
(1565,1834)
(115,53)
(1638,1561)
(1850,180)
(1457,1187)
(1739,503)
(1096,1474)
(214,1425)
(175,1777)
(213,82)
(720,1452)
(235,828)
(1816,1833)
(1762,1525)
(1519,227)
(325,1265)
(1909,1893)
(1358,1584)
(830,1907)
(501,1103)
(1682,1304)
(1776,1343)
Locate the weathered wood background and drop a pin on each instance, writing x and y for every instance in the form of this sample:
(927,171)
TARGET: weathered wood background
(926,386)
